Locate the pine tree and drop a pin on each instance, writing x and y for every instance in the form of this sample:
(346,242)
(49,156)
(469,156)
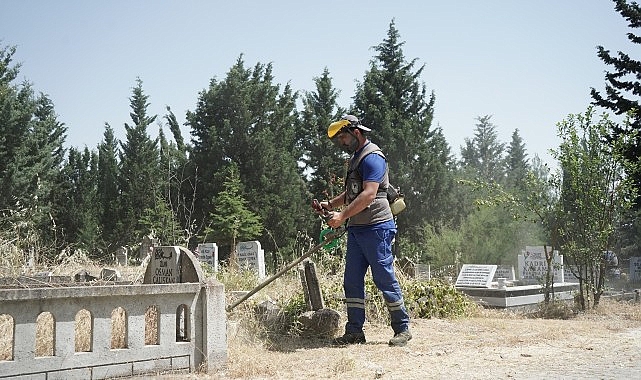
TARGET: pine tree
(516,163)
(246,120)
(78,203)
(107,189)
(394,103)
(482,156)
(623,89)
(138,171)
(231,220)
(324,164)
(322,160)
(31,173)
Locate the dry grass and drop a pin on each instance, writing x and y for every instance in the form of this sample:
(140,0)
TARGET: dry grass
(6,337)
(461,344)
(490,343)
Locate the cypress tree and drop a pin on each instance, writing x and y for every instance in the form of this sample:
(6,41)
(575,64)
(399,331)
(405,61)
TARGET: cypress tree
(516,163)
(138,175)
(395,104)
(107,188)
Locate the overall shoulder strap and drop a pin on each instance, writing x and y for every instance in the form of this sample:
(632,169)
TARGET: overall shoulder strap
(367,150)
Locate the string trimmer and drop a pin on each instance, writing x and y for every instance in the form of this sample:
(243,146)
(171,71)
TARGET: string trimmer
(327,238)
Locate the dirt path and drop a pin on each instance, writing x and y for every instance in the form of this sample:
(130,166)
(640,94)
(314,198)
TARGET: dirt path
(487,347)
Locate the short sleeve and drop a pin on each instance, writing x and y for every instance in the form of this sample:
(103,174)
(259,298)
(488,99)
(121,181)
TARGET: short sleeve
(373,168)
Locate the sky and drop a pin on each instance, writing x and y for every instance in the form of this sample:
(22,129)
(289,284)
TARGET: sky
(528,64)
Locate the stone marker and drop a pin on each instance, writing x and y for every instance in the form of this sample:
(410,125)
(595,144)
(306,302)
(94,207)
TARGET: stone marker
(172,264)
(107,274)
(251,256)
(504,271)
(208,253)
(322,322)
(164,265)
(475,276)
(533,266)
(147,246)
(311,287)
(122,256)
(635,269)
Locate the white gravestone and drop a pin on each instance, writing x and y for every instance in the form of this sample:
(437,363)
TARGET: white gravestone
(475,276)
(122,256)
(533,266)
(165,265)
(504,271)
(208,253)
(251,256)
(568,273)
(635,269)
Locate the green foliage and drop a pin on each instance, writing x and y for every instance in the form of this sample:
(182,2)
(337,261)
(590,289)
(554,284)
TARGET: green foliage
(161,222)
(482,156)
(31,156)
(107,187)
(79,199)
(423,299)
(231,220)
(322,160)
(294,305)
(139,161)
(594,195)
(492,235)
(246,119)
(435,299)
(395,104)
(622,92)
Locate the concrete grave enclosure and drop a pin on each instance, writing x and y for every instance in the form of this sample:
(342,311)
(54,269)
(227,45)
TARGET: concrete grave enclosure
(174,321)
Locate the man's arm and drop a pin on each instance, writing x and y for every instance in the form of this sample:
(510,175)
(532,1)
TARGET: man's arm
(364,199)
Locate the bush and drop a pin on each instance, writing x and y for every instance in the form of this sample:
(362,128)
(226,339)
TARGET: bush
(435,299)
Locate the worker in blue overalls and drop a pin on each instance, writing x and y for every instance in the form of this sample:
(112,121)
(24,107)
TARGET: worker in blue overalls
(370,231)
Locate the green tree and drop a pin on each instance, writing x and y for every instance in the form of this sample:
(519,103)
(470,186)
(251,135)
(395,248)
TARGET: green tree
(179,189)
(623,89)
(483,155)
(107,189)
(138,171)
(246,119)
(594,193)
(516,163)
(395,104)
(324,163)
(231,220)
(534,217)
(31,155)
(78,201)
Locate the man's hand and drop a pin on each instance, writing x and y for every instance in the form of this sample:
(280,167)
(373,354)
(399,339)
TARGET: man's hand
(318,208)
(325,205)
(336,219)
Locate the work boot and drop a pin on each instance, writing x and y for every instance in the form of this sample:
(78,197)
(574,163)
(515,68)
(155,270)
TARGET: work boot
(400,339)
(349,338)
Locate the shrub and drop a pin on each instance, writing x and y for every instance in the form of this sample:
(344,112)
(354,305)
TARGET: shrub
(435,299)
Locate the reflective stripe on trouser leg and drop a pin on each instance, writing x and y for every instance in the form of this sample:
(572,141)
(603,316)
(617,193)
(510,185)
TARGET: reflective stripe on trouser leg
(377,247)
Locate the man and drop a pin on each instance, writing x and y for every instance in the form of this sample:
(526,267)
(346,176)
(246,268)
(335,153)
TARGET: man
(370,231)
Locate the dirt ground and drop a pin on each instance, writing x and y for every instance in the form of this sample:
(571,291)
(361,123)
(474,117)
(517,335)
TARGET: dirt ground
(492,345)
